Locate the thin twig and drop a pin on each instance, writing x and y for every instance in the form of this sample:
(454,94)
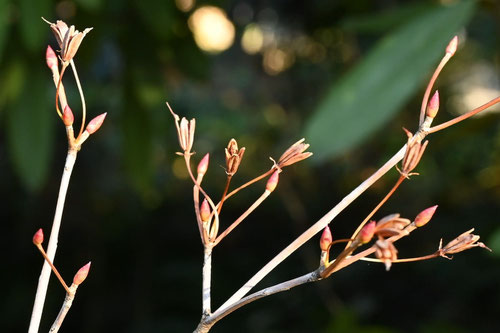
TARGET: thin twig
(427,257)
(43,281)
(221,202)
(427,93)
(54,269)
(207,274)
(68,301)
(63,69)
(82,97)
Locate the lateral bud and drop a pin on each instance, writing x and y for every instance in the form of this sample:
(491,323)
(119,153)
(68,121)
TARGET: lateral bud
(95,123)
(452,46)
(425,216)
(204,211)
(433,106)
(203,165)
(366,234)
(67,116)
(38,237)
(326,239)
(81,275)
(272,182)
(51,58)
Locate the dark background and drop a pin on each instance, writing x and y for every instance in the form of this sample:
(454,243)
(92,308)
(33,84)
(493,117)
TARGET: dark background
(347,75)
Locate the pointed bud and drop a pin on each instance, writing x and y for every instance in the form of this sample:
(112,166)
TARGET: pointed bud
(38,237)
(433,105)
(95,123)
(326,239)
(452,46)
(425,216)
(366,234)
(51,58)
(205,211)
(81,275)
(203,165)
(272,181)
(67,116)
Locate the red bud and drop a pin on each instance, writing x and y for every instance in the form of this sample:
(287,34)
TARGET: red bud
(203,165)
(51,58)
(425,216)
(67,116)
(205,211)
(452,46)
(38,237)
(272,182)
(366,234)
(326,239)
(95,123)
(433,105)
(81,275)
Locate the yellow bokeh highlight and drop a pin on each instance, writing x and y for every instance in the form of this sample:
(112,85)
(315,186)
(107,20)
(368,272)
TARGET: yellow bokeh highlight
(252,39)
(213,31)
(185,5)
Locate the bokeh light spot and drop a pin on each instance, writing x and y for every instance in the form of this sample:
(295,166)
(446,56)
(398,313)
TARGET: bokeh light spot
(212,30)
(253,39)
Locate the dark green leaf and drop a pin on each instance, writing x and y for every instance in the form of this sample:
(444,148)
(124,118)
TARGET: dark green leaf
(4,20)
(30,125)
(33,29)
(371,93)
(494,242)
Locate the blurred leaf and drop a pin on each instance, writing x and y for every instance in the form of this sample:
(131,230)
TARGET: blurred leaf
(374,23)
(494,242)
(33,30)
(12,82)
(371,93)
(30,126)
(138,146)
(4,20)
(90,4)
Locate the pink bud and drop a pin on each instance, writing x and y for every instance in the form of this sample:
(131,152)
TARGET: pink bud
(272,181)
(367,232)
(67,116)
(95,123)
(51,58)
(81,275)
(203,165)
(433,105)
(38,237)
(326,239)
(452,46)
(204,211)
(425,216)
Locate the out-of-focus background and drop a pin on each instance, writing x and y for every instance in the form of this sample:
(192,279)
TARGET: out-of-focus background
(347,75)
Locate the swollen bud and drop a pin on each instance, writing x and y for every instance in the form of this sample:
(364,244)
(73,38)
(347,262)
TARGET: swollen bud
(272,182)
(81,275)
(452,46)
(38,237)
(67,116)
(95,123)
(51,58)
(326,239)
(433,105)
(366,234)
(203,165)
(425,216)
(204,211)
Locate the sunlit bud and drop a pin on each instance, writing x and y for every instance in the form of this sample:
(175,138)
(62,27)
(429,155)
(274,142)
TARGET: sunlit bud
(366,234)
(433,106)
(452,46)
(95,123)
(81,275)
(205,211)
(326,239)
(203,165)
(67,116)
(51,58)
(425,216)
(38,237)
(233,157)
(272,182)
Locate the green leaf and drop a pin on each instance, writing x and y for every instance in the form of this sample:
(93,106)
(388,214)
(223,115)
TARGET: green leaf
(30,129)
(372,92)
(33,29)
(4,20)
(494,242)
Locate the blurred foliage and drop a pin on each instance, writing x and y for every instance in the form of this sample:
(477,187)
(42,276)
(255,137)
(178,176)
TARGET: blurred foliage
(348,74)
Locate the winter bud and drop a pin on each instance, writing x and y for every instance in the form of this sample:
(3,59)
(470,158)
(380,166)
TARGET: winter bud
(204,211)
(326,239)
(452,46)
(38,237)
(425,216)
(95,123)
(81,275)
(203,165)
(51,58)
(433,105)
(366,234)
(272,181)
(67,116)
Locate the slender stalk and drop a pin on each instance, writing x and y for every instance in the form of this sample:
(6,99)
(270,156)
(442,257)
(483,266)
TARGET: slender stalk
(464,116)
(219,206)
(82,97)
(427,93)
(243,216)
(427,257)
(256,179)
(43,281)
(58,87)
(68,301)
(54,269)
(381,203)
(207,277)
(315,228)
